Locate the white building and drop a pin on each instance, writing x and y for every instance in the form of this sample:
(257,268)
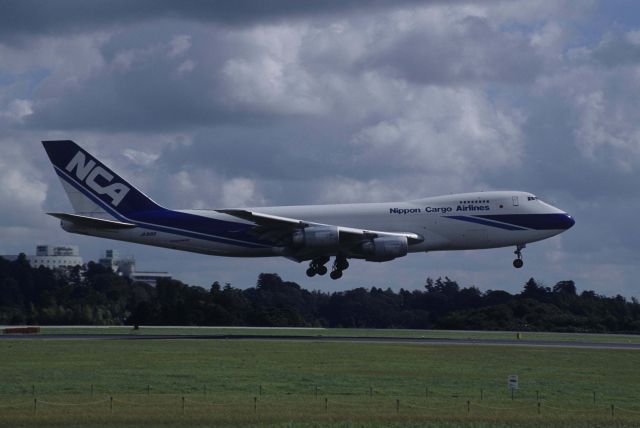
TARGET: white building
(67,256)
(126,266)
(111,260)
(53,256)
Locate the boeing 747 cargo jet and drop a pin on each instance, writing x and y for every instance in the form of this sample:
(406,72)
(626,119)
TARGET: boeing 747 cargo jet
(107,206)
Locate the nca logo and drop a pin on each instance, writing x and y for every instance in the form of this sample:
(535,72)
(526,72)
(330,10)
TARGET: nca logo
(89,173)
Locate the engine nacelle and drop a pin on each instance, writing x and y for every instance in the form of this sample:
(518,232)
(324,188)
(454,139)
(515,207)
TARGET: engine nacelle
(385,248)
(316,237)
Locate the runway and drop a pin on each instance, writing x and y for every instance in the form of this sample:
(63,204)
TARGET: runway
(339,339)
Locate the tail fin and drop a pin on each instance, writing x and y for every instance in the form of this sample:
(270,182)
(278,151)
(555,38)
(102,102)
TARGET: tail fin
(93,189)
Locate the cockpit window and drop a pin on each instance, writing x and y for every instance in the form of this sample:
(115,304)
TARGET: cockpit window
(531,198)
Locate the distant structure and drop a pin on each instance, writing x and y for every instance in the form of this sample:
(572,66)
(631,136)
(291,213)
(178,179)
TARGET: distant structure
(126,266)
(68,256)
(113,261)
(53,256)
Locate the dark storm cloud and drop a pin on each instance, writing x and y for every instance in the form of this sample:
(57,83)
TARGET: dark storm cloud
(137,100)
(26,18)
(140,86)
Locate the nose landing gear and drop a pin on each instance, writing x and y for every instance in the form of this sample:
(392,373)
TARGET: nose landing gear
(317,266)
(339,265)
(518,263)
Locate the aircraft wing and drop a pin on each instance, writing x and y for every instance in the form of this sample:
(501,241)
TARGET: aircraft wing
(268,222)
(92,222)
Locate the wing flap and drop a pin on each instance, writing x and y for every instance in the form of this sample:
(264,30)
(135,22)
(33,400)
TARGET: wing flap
(96,223)
(411,237)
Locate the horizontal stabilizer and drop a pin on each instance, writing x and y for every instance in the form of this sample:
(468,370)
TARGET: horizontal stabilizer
(92,222)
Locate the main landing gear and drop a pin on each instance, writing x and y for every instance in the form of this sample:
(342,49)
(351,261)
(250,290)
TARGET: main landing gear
(518,263)
(339,265)
(317,266)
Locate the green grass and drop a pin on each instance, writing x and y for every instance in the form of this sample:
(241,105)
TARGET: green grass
(437,334)
(361,382)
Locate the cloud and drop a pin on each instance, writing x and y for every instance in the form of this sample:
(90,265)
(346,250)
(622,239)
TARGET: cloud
(599,132)
(271,78)
(445,131)
(126,89)
(179,45)
(22,192)
(41,17)
(438,48)
(186,67)
(617,49)
(240,192)
(141,158)
(17,110)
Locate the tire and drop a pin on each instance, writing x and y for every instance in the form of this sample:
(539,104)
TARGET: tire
(311,272)
(518,263)
(322,270)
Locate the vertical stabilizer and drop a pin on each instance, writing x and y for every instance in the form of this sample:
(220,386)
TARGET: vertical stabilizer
(93,189)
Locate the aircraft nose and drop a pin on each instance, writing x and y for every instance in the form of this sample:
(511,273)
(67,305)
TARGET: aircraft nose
(567,221)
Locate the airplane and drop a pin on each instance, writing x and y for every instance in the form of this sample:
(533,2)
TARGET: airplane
(107,206)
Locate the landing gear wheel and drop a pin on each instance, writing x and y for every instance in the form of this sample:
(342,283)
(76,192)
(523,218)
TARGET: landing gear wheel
(317,266)
(339,264)
(518,263)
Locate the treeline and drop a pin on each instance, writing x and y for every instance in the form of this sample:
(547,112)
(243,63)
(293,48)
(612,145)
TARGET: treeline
(98,296)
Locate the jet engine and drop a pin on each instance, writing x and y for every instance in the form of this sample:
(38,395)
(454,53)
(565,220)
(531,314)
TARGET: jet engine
(316,237)
(385,248)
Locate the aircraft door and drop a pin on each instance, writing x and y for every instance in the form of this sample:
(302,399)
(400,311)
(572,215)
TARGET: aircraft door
(515,201)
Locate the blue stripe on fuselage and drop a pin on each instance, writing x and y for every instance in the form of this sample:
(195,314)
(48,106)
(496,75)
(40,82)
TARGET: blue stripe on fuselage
(555,221)
(179,223)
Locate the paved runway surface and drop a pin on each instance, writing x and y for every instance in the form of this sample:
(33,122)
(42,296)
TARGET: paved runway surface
(347,339)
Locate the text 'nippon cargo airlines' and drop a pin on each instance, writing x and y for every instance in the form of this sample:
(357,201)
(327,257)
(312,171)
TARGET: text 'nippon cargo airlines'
(107,206)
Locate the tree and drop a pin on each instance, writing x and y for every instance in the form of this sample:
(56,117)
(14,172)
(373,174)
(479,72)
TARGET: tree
(42,296)
(533,290)
(565,287)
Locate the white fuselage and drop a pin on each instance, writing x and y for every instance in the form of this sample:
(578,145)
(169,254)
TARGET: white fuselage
(106,205)
(453,222)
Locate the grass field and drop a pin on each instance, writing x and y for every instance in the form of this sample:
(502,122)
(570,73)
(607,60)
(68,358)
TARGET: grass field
(438,334)
(142,383)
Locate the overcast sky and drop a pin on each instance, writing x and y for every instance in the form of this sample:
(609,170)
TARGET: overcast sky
(213,104)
